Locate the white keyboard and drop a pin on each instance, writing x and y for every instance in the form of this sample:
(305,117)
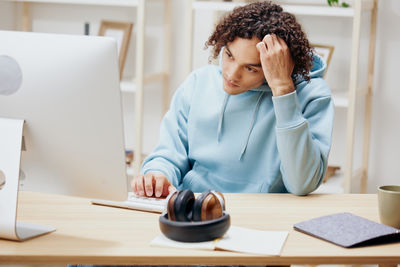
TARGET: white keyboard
(135,202)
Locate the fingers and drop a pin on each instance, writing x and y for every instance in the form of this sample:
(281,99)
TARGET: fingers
(282,42)
(151,184)
(137,187)
(274,42)
(270,41)
(134,184)
(142,185)
(148,184)
(163,187)
(261,48)
(171,189)
(161,184)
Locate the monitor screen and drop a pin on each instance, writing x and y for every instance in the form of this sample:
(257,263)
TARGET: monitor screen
(66,88)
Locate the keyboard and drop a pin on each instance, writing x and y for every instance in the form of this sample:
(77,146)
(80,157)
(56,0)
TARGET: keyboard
(135,202)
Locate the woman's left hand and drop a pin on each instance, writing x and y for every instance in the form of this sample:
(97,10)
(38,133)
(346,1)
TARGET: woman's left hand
(277,64)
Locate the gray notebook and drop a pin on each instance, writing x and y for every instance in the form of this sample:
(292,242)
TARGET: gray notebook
(349,230)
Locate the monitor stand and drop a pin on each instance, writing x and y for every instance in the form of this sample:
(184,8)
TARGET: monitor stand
(11,131)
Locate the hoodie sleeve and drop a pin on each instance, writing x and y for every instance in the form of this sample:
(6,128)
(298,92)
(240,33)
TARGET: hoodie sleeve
(170,156)
(304,137)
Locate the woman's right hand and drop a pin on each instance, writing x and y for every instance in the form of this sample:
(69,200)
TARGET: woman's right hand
(152,184)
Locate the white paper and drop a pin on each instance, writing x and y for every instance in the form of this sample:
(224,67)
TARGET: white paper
(237,239)
(253,241)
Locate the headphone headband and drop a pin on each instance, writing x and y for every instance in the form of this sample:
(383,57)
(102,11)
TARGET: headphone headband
(220,198)
(177,224)
(194,231)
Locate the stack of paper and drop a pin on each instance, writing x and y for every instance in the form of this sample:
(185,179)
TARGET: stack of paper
(236,239)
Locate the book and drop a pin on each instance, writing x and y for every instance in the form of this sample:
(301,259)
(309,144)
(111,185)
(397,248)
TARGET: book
(348,230)
(237,239)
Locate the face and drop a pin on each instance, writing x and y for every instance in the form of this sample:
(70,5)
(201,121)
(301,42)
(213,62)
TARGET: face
(241,66)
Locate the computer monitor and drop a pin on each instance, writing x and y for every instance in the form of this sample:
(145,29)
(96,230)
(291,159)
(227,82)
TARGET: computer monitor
(69,97)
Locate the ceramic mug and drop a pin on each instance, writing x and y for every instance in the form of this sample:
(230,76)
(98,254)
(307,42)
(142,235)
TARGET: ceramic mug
(389,205)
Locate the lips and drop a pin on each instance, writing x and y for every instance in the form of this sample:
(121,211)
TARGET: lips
(230,84)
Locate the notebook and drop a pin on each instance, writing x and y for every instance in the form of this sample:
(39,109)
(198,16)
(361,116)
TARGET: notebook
(349,230)
(237,239)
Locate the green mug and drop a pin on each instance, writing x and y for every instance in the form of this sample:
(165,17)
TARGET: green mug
(389,205)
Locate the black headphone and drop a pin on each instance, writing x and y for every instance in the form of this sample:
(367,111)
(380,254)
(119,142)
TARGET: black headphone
(190,219)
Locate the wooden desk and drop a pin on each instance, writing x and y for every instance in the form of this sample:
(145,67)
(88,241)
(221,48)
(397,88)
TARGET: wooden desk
(90,234)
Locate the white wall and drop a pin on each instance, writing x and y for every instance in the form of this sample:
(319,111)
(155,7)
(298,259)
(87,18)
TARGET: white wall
(385,130)
(7,18)
(384,161)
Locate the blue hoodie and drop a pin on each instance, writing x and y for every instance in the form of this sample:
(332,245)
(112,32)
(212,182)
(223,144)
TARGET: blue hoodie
(251,142)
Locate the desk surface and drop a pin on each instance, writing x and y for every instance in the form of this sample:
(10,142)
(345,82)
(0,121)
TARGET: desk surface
(102,235)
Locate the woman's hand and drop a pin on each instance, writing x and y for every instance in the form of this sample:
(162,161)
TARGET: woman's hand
(152,184)
(277,64)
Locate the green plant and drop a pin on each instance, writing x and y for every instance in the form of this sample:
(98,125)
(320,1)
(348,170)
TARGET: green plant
(336,3)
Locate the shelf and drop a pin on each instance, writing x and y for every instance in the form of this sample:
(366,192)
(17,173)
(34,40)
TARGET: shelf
(340,99)
(297,9)
(334,185)
(322,11)
(130,172)
(129,85)
(126,3)
(310,10)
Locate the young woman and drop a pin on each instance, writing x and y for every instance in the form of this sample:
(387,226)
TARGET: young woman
(259,122)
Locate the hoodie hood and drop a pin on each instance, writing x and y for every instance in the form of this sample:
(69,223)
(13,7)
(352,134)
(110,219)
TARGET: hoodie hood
(317,70)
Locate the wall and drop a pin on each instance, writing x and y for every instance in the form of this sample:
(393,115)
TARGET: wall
(70,19)
(385,120)
(7,19)
(386,109)
(385,131)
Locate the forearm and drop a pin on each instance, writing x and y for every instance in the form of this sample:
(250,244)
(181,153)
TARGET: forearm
(302,162)
(303,148)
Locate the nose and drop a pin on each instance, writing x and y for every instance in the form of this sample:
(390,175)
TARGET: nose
(234,73)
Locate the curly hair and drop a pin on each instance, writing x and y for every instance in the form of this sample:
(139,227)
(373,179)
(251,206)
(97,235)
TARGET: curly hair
(259,19)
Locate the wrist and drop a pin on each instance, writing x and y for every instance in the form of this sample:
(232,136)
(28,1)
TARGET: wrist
(283,88)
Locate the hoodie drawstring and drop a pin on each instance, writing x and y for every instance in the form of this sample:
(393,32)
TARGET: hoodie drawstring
(252,124)
(221,117)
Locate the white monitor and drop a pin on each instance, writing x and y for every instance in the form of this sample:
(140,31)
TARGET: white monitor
(69,97)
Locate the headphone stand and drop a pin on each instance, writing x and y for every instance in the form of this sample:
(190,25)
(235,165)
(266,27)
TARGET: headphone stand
(11,131)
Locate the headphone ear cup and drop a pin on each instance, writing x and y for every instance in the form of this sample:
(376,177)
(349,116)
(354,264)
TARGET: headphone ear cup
(183,205)
(207,207)
(170,206)
(197,206)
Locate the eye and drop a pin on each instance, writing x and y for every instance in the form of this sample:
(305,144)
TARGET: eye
(228,54)
(250,69)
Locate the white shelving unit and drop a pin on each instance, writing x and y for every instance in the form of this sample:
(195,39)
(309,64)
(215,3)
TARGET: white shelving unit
(135,85)
(342,99)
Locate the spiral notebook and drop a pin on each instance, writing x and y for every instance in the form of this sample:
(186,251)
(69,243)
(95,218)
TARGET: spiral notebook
(349,230)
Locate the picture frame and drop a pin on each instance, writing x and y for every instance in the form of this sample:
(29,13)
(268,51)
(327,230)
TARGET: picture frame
(122,32)
(324,51)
